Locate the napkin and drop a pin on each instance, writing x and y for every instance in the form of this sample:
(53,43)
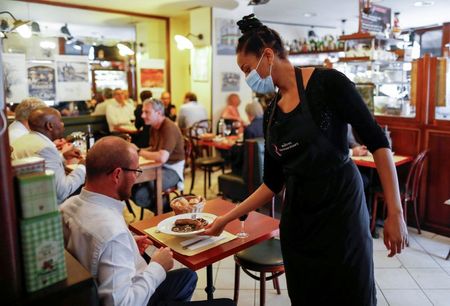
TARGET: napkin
(201,241)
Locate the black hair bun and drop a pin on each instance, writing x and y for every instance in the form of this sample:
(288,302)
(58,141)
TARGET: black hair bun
(249,23)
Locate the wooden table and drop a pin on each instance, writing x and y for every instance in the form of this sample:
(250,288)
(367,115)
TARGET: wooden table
(260,227)
(226,144)
(152,171)
(368,161)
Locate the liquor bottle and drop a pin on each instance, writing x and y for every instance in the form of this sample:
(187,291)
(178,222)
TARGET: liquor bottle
(90,140)
(221,127)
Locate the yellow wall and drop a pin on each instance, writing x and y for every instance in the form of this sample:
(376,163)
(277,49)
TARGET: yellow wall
(152,34)
(201,23)
(179,61)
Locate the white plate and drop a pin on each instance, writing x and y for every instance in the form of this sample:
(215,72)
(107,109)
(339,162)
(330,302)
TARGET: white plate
(165,226)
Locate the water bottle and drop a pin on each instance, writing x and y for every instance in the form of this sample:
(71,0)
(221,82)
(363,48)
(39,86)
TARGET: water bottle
(221,127)
(89,137)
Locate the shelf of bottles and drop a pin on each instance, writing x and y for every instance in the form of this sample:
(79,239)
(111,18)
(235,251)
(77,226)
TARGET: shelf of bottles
(384,86)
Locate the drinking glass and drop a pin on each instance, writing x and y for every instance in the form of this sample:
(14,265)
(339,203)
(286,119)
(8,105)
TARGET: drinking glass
(242,233)
(227,130)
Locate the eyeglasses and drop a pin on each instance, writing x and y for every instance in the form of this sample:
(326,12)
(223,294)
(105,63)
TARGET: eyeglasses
(138,171)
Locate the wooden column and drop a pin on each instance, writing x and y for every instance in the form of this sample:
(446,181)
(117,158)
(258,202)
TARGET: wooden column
(10,281)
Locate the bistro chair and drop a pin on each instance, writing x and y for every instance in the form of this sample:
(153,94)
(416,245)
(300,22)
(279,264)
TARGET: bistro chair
(265,257)
(409,192)
(201,155)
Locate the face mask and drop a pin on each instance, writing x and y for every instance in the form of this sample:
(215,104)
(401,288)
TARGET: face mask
(258,84)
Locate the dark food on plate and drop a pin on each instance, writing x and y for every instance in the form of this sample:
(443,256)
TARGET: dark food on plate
(189,225)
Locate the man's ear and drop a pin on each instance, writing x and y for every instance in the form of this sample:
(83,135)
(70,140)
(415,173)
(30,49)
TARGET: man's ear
(48,126)
(116,175)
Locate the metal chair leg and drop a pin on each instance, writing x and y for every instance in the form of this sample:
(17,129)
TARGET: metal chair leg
(262,289)
(237,270)
(276,284)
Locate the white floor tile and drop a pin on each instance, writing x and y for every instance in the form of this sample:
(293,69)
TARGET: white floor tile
(431,278)
(412,258)
(437,246)
(225,280)
(406,298)
(378,245)
(381,260)
(397,278)
(246,297)
(381,301)
(272,298)
(438,297)
(227,263)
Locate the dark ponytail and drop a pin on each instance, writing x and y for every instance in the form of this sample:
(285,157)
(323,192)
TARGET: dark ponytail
(256,37)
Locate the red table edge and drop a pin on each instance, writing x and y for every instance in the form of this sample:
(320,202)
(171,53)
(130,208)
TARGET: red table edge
(364,163)
(181,258)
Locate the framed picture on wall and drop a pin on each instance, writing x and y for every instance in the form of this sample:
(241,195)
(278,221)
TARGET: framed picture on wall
(200,59)
(227,35)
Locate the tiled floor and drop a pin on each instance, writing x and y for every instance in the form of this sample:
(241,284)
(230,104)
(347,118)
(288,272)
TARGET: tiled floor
(420,275)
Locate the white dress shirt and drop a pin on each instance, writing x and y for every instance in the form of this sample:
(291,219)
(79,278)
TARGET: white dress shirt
(15,130)
(97,235)
(37,144)
(121,115)
(191,113)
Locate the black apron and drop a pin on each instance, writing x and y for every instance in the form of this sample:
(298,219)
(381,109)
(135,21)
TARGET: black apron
(324,228)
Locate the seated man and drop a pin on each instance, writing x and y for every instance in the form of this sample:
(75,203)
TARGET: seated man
(120,114)
(19,126)
(97,235)
(46,126)
(190,112)
(167,147)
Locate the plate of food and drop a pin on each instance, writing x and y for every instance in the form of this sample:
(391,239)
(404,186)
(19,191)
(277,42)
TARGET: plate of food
(185,225)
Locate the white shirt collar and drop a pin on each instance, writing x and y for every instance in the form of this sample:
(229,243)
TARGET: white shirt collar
(43,137)
(102,200)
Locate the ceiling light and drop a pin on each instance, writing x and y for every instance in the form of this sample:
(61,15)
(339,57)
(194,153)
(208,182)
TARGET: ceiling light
(35,28)
(46,44)
(183,42)
(423,3)
(124,50)
(65,31)
(308,15)
(20,25)
(24,30)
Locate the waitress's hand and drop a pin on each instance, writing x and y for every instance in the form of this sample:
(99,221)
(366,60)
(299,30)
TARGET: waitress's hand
(215,228)
(395,234)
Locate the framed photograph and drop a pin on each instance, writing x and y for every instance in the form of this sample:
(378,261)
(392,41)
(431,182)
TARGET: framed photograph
(227,35)
(230,81)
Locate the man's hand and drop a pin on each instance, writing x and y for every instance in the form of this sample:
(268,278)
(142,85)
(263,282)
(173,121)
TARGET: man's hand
(360,151)
(71,153)
(143,243)
(164,257)
(59,143)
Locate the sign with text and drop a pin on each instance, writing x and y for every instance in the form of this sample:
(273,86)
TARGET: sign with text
(376,20)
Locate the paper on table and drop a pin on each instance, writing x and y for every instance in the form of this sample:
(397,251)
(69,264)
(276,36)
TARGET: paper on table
(205,242)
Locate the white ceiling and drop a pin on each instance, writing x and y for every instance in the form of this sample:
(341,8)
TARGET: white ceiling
(328,12)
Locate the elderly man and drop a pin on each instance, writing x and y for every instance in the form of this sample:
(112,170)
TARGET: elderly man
(190,112)
(95,232)
(255,114)
(100,108)
(167,147)
(46,126)
(120,114)
(19,126)
(170,110)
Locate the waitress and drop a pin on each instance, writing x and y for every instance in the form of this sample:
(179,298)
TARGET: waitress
(324,228)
